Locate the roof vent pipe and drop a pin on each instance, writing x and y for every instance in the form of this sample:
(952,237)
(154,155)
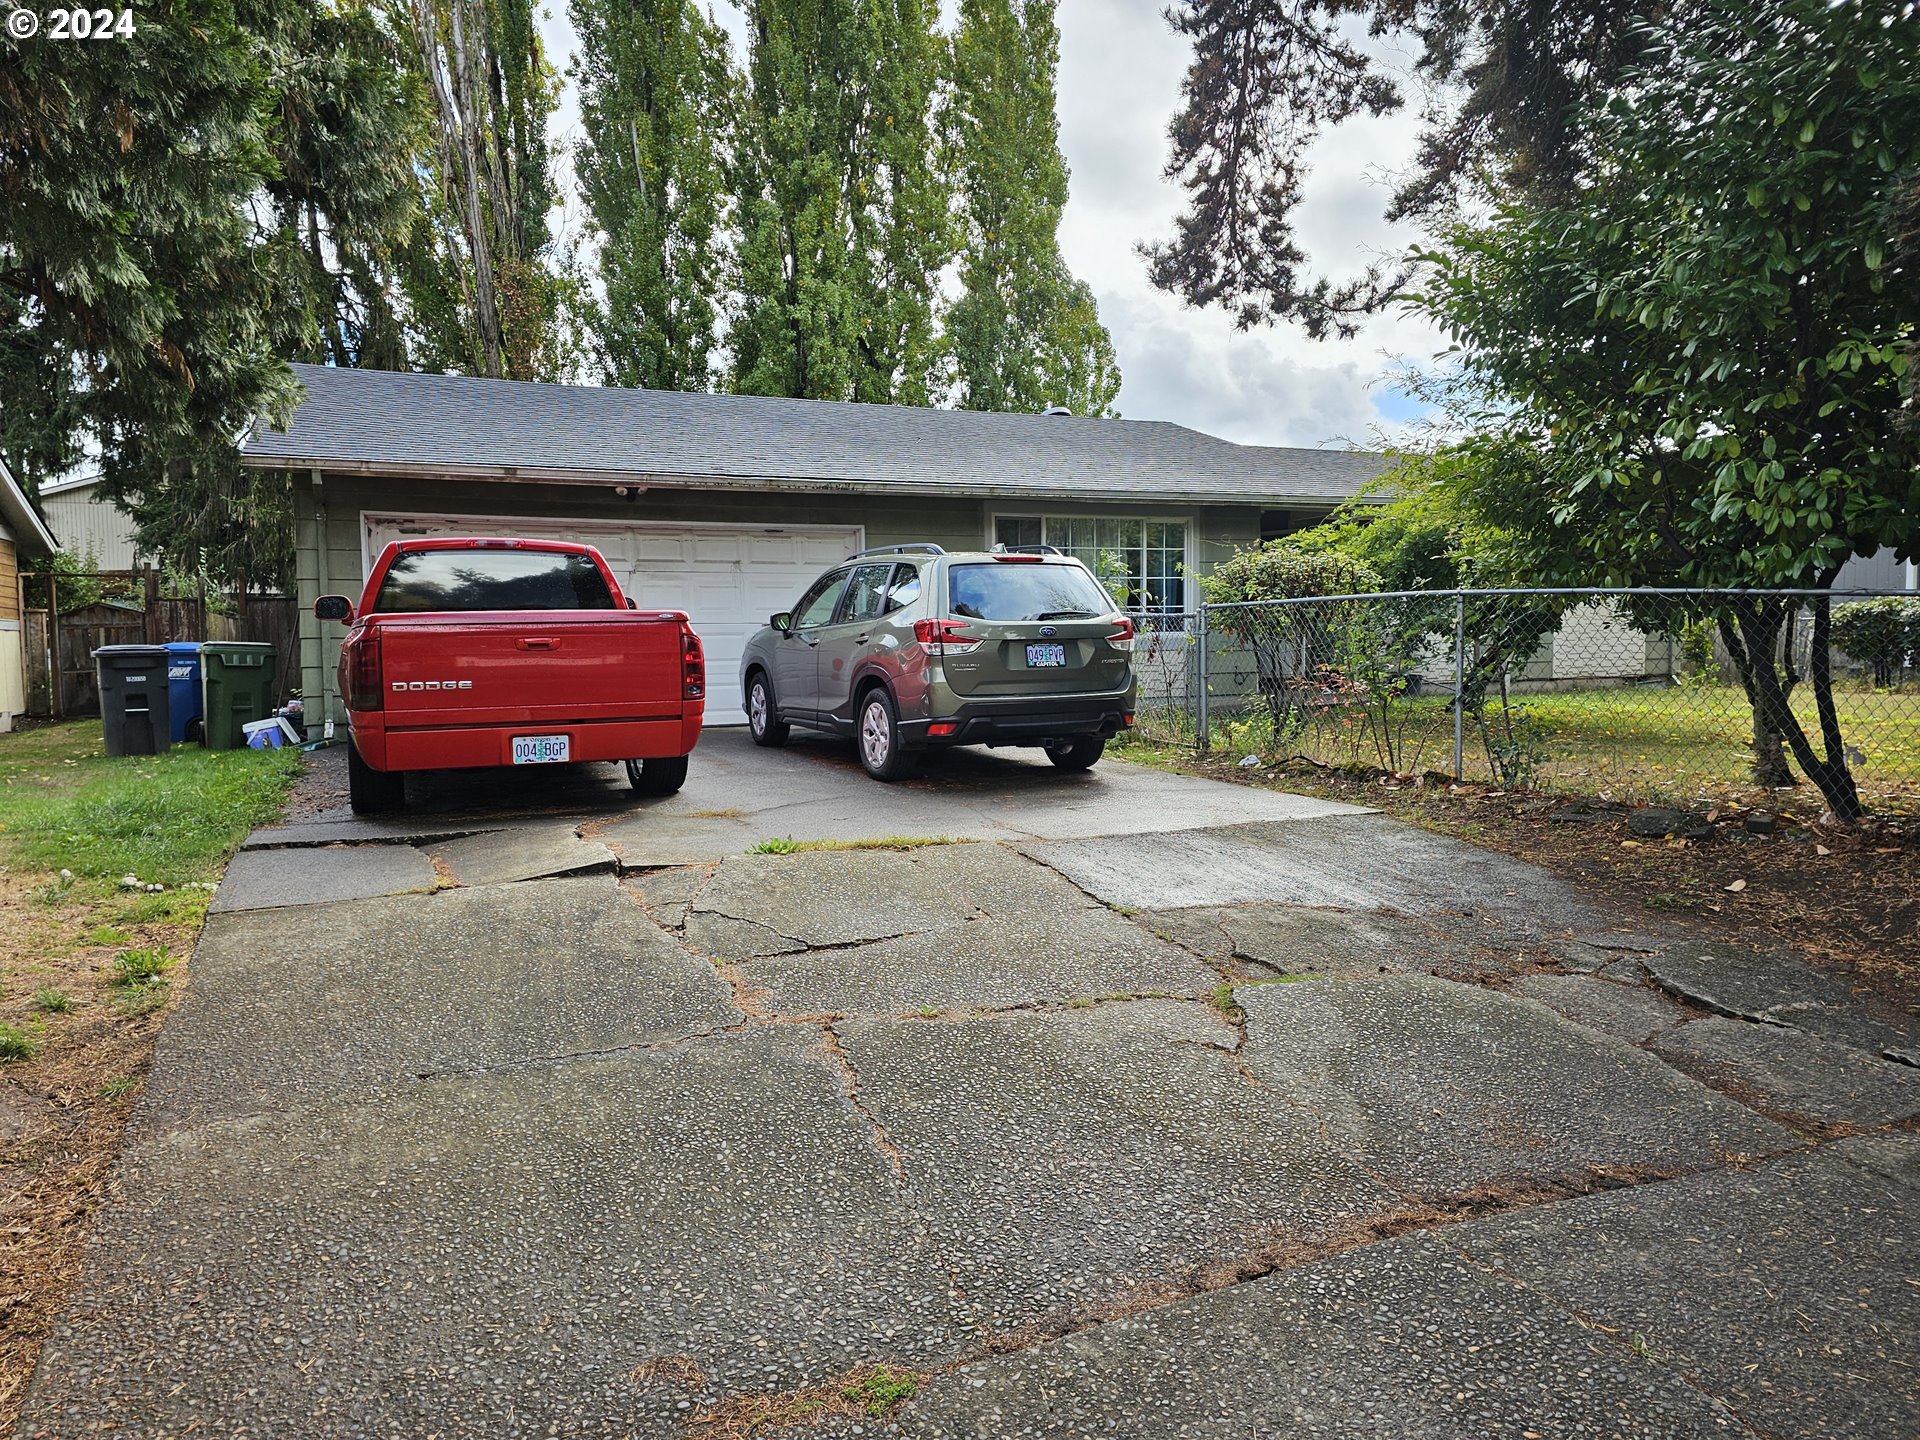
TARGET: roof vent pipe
(1056,410)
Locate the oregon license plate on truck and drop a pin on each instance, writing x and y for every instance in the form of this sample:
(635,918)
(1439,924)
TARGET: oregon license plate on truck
(1041,655)
(540,750)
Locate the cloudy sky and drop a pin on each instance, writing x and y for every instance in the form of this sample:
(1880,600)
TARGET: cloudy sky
(1120,72)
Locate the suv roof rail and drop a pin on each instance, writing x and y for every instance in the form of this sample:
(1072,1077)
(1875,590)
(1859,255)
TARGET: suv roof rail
(925,546)
(1027,550)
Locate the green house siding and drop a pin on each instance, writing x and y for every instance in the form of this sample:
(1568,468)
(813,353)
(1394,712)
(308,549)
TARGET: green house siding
(329,533)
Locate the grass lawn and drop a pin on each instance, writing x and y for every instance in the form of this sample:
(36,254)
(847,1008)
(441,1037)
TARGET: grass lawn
(88,970)
(1633,742)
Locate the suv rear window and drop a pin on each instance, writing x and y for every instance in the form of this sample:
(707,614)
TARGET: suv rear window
(1008,590)
(423,580)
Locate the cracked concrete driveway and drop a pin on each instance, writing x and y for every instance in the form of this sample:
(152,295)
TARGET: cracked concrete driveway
(1143,1106)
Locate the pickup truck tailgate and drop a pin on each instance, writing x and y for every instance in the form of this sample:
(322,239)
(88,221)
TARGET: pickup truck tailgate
(556,667)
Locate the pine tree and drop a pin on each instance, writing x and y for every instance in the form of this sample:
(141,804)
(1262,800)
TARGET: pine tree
(656,92)
(1025,333)
(137,271)
(353,122)
(843,212)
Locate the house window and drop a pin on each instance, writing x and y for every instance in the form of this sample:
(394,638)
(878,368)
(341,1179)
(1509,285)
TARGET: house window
(1145,558)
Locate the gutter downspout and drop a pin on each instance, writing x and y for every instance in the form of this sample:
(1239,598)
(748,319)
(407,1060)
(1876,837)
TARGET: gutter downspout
(322,580)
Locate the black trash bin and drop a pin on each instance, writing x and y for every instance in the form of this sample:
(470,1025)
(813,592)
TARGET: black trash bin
(133,698)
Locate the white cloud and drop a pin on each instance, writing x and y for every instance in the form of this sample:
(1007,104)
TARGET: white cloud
(1120,71)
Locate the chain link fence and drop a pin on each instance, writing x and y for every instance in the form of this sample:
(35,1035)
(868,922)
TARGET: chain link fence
(1636,694)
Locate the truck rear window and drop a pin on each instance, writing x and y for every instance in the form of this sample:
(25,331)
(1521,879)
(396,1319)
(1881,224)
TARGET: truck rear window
(424,580)
(1005,590)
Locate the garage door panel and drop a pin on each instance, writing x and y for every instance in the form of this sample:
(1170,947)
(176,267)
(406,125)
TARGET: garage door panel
(729,578)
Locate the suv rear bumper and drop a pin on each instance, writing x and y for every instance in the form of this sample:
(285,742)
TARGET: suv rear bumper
(1025,722)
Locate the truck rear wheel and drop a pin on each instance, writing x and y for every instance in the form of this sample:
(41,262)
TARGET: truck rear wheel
(661,776)
(371,791)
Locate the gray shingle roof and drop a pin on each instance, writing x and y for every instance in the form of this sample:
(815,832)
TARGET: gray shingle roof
(388,423)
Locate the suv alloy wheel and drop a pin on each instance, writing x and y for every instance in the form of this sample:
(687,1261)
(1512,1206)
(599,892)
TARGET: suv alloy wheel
(878,736)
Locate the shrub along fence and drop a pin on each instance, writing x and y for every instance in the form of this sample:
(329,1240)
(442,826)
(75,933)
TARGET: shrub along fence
(1635,693)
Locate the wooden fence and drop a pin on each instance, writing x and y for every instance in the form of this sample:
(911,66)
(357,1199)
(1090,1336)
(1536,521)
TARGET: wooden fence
(131,607)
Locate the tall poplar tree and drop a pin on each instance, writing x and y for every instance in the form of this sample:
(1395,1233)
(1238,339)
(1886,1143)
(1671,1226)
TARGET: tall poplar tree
(656,97)
(1025,333)
(843,211)
(479,285)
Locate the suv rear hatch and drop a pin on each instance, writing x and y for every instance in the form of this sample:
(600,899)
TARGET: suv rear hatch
(1028,625)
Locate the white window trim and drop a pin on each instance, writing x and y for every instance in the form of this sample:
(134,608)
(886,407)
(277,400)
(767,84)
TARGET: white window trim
(1190,561)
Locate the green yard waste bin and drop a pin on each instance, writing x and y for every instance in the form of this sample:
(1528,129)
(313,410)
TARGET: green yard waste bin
(236,678)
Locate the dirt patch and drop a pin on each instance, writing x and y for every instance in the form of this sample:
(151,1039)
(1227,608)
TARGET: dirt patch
(1848,900)
(872,1392)
(63,1110)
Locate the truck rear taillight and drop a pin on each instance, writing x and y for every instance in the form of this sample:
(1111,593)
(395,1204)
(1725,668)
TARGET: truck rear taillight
(364,690)
(693,667)
(946,637)
(1121,636)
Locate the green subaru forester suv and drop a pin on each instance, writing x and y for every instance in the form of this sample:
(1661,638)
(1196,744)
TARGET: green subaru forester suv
(909,647)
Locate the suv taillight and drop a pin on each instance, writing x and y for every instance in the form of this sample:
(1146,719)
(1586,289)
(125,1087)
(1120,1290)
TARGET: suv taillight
(693,667)
(946,637)
(363,672)
(1121,636)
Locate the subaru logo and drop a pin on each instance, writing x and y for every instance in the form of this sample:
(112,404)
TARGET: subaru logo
(1049,630)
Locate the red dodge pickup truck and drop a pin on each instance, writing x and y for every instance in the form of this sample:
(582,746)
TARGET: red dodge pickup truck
(469,653)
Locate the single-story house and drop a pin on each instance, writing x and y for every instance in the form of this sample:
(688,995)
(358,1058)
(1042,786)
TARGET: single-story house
(22,533)
(726,506)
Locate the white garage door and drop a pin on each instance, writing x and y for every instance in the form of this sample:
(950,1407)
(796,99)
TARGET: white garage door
(729,578)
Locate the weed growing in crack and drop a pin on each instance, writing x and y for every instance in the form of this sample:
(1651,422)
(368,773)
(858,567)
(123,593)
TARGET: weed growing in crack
(1222,1000)
(881,1389)
(787,845)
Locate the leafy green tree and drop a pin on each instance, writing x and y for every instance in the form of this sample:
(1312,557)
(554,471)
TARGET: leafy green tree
(481,290)
(1706,352)
(1024,333)
(657,86)
(1269,77)
(136,270)
(843,212)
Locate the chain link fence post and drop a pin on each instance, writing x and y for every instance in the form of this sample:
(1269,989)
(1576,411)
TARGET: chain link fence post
(1459,681)
(1203,722)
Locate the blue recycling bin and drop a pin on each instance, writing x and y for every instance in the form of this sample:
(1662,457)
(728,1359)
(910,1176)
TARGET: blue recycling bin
(184,700)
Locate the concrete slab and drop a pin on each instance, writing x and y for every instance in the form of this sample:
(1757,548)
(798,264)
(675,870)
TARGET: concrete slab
(264,879)
(1290,940)
(848,897)
(1780,989)
(1403,1339)
(494,1256)
(287,1006)
(1064,1161)
(1360,863)
(306,834)
(522,852)
(1794,1072)
(1787,1291)
(1632,1013)
(1048,955)
(737,795)
(1441,1088)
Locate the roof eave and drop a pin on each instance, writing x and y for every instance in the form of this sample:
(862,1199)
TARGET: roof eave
(20,513)
(806,485)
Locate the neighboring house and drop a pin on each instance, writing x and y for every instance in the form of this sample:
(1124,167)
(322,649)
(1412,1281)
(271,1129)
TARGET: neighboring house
(727,505)
(22,533)
(92,529)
